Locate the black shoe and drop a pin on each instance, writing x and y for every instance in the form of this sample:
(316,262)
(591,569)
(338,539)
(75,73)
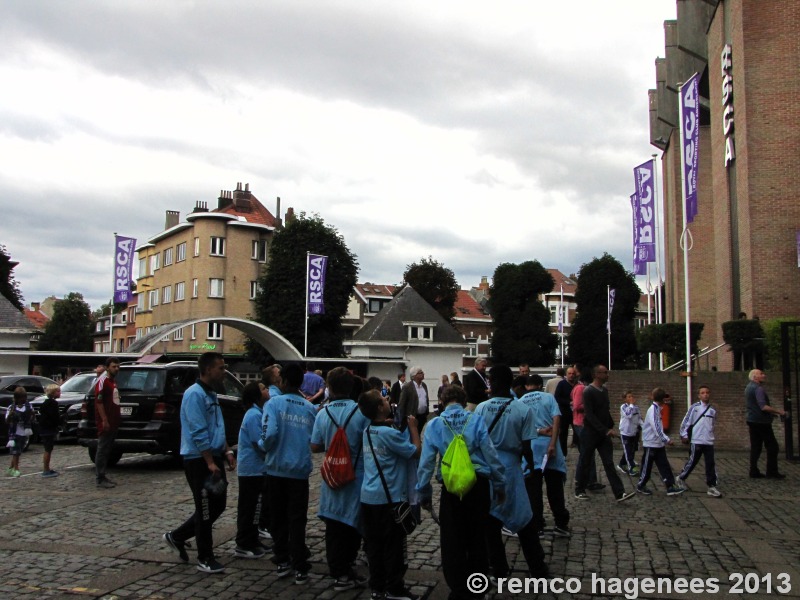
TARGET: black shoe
(210,565)
(757,475)
(284,569)
(776,476)
(403,594)
(179,547)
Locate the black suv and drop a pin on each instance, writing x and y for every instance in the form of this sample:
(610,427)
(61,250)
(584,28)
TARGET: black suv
(150,405)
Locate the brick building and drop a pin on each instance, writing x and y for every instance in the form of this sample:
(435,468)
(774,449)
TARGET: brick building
(205,266)
(745,256)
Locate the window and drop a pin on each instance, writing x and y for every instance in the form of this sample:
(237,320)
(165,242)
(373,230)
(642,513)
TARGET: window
(217,246)
(142,267)
(123,317)
(139,333)
(216,288)
(181,252)
(98,326)
(168,254)
(155,263)
(180,291)
(153,294)
(416,332)
(194,332)
(375,305)
(178,335)
(194,288)
(253,290)
(554,314)
(259,250)
(214,331)
(473,346)
(166,294)
(197,246)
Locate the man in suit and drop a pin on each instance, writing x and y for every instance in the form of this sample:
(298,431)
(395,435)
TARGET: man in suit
(476,385)
(394,393)
(414,399)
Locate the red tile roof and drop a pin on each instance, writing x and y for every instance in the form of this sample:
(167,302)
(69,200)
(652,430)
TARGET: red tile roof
(467,308)
(375,290)
(257,212)
(37,318)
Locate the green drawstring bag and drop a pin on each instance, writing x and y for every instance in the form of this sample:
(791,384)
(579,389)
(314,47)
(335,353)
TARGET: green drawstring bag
(458,473)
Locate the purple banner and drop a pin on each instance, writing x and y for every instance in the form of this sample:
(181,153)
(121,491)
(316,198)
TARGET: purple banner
(124,248)
(612,292)
(690,137)
(639,266)
(798,248)
(645,212)
(315,284)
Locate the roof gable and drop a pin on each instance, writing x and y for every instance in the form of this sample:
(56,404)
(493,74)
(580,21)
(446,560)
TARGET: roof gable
(391,323)
(11,317)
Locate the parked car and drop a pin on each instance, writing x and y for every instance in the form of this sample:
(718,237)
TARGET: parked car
(150,405)
(33,384)
(75,390)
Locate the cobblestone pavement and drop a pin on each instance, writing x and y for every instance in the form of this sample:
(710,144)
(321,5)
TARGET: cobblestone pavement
(63,537)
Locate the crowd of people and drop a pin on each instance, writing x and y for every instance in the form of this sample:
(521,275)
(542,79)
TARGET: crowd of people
(496,443)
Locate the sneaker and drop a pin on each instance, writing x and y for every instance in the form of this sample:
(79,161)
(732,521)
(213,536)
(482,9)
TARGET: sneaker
(284,569)
(757,475)
(110,481)
(9,472)
(266,548)
(106,484)
(644,490)
(581,496)
(179,547)
(625,496)
(635,472)
(404,594)
(674,490)
(377,595)
(713,491)
(680,483)
(264,534)
(508,532)
(563,532)
(245,553)
(342,584)
(50,473)
(210,565)
(595,487)
(18,473)
(623,470)
(300,577)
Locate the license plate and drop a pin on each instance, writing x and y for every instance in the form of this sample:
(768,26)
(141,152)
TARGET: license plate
(126,411)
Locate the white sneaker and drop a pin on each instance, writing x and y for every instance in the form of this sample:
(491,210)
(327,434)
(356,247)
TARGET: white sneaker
(713,491)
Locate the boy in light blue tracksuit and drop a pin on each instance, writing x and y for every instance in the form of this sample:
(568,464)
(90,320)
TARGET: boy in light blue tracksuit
(340,509)
(697,429)
(252,474)
(285,436)
(511,426)
(654,439)
(462,522)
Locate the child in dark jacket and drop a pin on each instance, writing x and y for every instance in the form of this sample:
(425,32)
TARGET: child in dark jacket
(49,418)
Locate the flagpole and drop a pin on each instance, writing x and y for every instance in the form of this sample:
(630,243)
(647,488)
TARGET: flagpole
(308,264)
(111,308)
(608,322)
(659,249)
(649,319)
(561,323)
(686,238)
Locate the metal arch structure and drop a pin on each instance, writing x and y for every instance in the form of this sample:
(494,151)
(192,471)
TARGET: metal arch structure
(277,345)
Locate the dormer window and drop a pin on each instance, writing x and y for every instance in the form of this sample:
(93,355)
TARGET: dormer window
(420,331)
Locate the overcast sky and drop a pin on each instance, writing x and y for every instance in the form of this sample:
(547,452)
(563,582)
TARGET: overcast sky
(475,132)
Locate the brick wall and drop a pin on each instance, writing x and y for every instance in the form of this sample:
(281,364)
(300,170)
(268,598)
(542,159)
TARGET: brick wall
(727,396)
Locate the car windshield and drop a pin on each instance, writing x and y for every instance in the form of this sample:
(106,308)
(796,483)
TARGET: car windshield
(149,381)
(79,383)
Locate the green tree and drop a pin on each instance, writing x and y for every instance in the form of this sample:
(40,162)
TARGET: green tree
(280,303)
(8,286)
(70,329)
(588,337)
(435,283)
(522,322)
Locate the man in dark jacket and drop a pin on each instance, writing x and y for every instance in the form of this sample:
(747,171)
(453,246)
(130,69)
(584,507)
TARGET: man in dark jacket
(598,429)
(476,385)
(759,416)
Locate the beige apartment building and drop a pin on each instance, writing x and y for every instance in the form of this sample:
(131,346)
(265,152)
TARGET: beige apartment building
(205,266)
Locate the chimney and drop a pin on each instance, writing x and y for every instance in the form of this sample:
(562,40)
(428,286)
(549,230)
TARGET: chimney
(278,220)
(484,283)
(289,215)
(173,217)
(225,199)
(35,306)
(200,206)
(241,198)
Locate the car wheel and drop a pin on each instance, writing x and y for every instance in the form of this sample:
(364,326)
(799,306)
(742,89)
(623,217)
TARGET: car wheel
(113,458)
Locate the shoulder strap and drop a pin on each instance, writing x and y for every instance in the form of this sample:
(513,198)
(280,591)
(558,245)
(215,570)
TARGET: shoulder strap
(380,471)
(499,414)
(330,416)
(698,419)
(347,421)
